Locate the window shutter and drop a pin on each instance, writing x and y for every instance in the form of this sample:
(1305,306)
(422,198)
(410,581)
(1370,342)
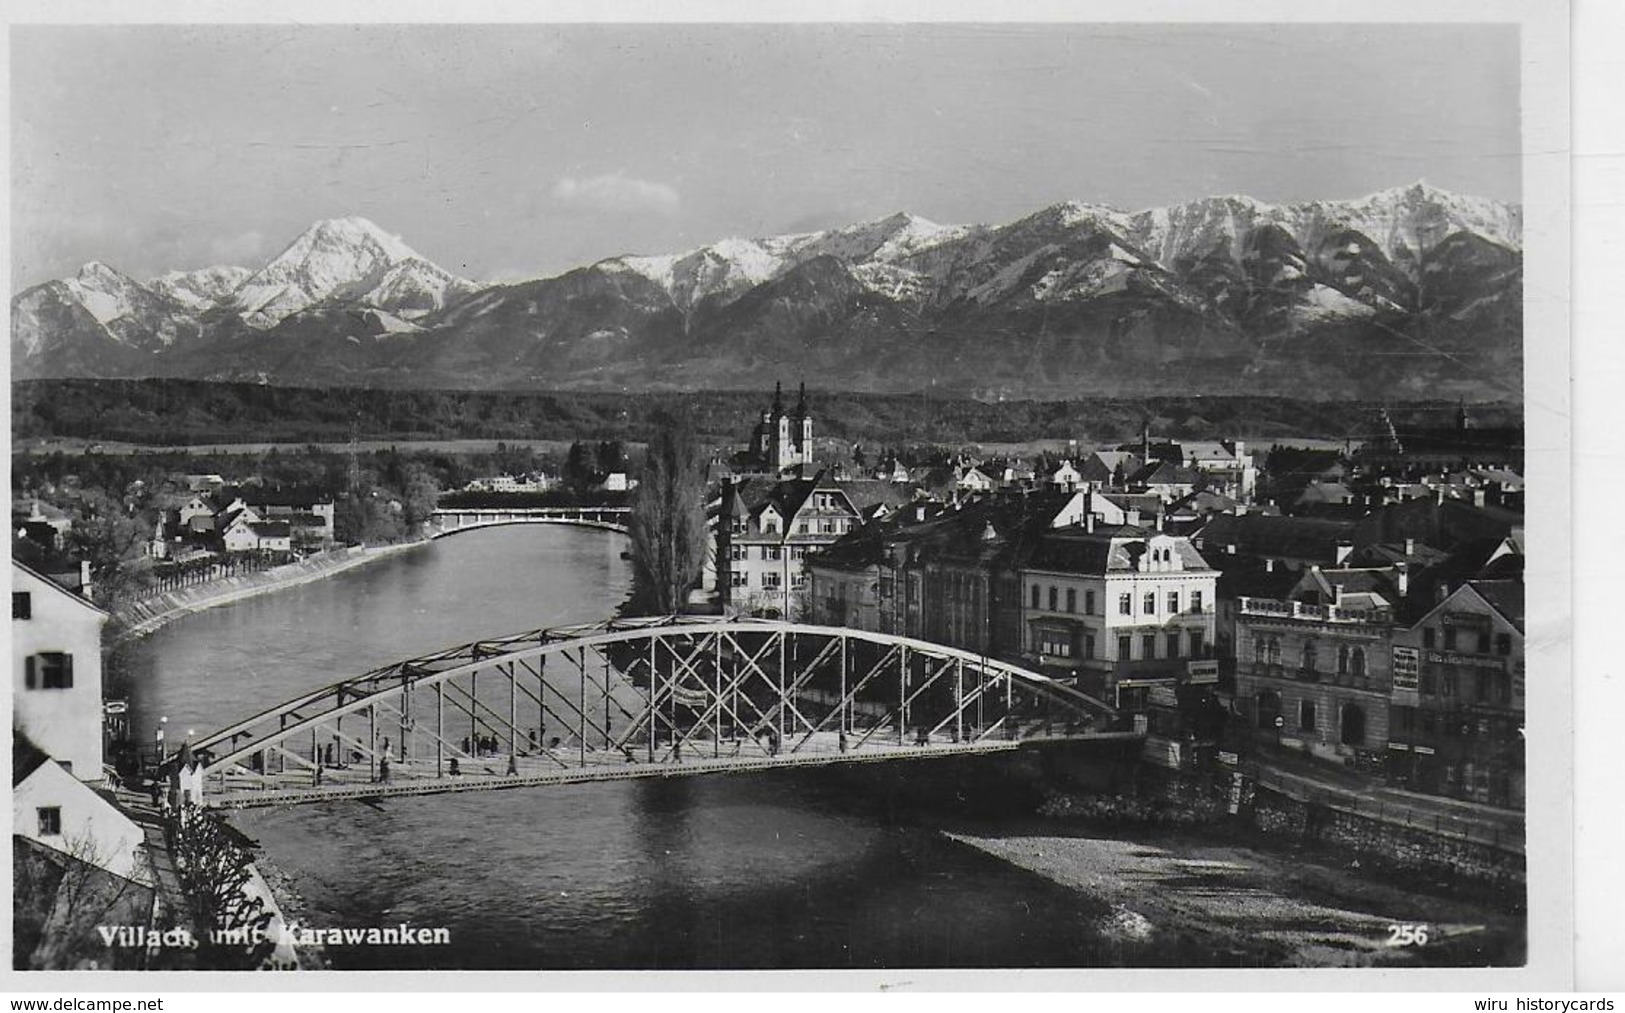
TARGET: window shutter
(30,676)
(67,671)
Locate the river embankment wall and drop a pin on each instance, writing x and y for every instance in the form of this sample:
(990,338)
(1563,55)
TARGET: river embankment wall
(149,614)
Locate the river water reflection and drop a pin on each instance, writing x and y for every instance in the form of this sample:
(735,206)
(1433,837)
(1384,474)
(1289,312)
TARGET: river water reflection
(777,870)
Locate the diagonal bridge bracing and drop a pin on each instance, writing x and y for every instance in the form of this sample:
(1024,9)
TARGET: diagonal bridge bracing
(637,698)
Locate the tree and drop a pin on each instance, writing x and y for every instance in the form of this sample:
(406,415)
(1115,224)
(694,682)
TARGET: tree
(419,494)
(214,867)
(668,518)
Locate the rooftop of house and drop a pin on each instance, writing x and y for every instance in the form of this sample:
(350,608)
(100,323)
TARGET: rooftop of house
(1257,534)
(1109,548)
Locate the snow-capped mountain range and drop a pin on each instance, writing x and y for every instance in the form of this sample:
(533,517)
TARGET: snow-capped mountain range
(1225,292)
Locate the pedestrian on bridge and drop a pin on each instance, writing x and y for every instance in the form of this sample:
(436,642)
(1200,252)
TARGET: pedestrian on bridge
(383,769)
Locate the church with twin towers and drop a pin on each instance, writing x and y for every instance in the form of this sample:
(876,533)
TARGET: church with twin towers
(783,440)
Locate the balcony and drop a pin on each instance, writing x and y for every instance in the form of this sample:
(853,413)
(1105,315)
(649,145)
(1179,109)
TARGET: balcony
(1274,608)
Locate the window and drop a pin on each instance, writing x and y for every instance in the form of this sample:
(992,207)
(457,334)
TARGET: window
(738,553)
(1311,656)
(1054,599)
(772,581)
(1450,638)
(1172,645)
(1148,646)
(1503,642)
(1125,648)
(798,579)
(1054,643)
(1449,683)
(50,820)
(1483,641)
(1035,596)
(1089,602)
(1071,599)
(1125,605)
(739,578)
(1150,603)
(771,553)
(1173,603)
(1358,659)
(22,605)
(1196,601)
(1275,651)
(1088,645)
(1343,661)
(1427,638)
(1306,716)
(1197,644)
(50,670)
(1259,653)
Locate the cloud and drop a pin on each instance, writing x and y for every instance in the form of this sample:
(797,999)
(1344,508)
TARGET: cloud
(242,249)
(617,193)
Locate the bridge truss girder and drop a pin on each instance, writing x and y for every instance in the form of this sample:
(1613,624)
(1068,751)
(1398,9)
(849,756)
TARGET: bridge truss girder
(639,695)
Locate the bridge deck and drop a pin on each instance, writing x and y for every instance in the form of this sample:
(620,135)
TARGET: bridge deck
(548,768)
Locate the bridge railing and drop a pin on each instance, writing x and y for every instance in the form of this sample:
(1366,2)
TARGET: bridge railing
(640,691)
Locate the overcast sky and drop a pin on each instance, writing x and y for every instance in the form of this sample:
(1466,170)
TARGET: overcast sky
(502,152)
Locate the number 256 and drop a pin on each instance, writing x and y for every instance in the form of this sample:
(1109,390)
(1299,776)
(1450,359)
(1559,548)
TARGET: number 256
(1407,935)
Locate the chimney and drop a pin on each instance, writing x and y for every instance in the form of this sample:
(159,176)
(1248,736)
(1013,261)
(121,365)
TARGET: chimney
(1441,592)
(1161,517)
(1478,497)
(1133,518)
(1089,523)
(1337,594)
(1230,550)
(1240,510)
(1410,547)
(85,589)
(1269,566)
(919,512)
(1404,582)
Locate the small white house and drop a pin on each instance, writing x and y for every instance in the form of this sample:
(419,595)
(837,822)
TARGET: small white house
(54,809)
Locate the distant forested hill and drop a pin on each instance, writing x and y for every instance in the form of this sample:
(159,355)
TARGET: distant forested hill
(183,412)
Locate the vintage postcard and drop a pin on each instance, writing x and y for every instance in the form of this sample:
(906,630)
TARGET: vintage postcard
(1066,492)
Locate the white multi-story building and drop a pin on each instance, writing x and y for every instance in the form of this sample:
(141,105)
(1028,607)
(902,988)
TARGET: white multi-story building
(1123,607)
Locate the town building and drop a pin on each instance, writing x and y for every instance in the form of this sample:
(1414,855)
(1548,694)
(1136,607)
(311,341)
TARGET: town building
(1122,608)
(57,671)
(1457,725)
(1314,669)
(55,810)
(765,530)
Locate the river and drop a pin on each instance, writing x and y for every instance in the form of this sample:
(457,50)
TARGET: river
(777,870)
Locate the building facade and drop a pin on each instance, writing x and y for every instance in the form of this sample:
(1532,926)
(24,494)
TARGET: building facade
(1458,697)
(57,671)
(764,533)
(1122,607)
(1314,671)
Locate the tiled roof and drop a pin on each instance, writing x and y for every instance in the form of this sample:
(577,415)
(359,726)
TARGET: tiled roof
(1506,596)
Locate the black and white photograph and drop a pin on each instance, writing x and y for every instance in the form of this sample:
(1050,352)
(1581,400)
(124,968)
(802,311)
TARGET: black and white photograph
(839,496)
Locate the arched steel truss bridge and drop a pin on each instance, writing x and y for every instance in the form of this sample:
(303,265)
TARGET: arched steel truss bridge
(451,520)
(637,698)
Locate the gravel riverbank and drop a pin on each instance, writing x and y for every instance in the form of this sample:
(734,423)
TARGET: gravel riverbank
(1253,907)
